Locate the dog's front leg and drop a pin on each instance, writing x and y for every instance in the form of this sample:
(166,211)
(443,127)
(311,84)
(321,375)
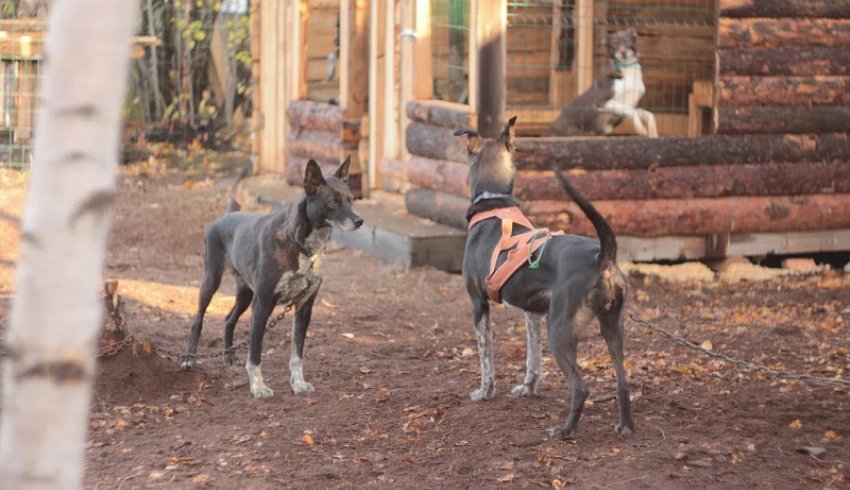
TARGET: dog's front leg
(649,119)
(296,357)
(481,315)
(262,310)
(532,359)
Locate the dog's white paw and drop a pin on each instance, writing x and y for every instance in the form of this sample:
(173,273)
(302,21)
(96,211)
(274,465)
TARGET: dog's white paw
(302,388)
(187,363)
(481,395)
(524,390)
(261,391)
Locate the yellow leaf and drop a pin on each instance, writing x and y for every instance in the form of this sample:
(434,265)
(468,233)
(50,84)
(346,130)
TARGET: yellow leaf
(120,423)
(308,439)
(348,335)
(558,484)
(707,345)
(795,424)
(830,435)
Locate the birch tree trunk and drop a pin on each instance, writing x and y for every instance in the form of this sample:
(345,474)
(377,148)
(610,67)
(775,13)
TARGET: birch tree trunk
(56,315)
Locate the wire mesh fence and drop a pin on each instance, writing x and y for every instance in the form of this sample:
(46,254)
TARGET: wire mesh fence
(20,53)
(556,49)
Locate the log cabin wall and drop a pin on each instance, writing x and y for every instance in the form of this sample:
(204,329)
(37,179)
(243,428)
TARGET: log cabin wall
(783,66)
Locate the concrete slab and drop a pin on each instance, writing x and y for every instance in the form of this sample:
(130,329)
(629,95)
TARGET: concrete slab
(389,232)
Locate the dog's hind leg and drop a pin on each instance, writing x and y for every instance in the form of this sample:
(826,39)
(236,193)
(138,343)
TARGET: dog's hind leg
(213,270)
(244,295)
(481,316)
(532,358)
(262,310)
(563,342)
(296,357)
(611,324)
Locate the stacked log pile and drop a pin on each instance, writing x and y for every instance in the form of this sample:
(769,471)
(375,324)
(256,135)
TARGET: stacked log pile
(645,187)
(783,66)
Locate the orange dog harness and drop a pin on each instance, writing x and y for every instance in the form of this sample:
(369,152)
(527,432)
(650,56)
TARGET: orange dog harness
(520,247)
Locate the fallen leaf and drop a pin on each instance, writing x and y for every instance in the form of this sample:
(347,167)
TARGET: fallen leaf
(507,478)
(707,345)
(830,436)
(795,424)
(201,479)
(308,439)
(507,466)
(700,463)
(558,484)
(383,395)
(348,335)
(365,370)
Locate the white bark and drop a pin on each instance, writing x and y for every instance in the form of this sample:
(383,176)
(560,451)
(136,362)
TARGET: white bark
(56,315)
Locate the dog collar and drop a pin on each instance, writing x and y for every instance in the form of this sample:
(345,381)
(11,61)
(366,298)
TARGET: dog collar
(490,195)
(298,245)
(625,65)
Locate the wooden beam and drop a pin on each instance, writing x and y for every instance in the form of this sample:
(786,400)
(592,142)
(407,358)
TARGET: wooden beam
(435,142)
(633,153)
(441,113)
(297,63)
(256,100)
(800,119)
(354,85)
(492,66)
(584,45)
(440,175)
(377,87)
(777,33)
(390,129)
(785,8)
(271,16)
(738,91)
(787,60)
(472,58)
(416,76)
(437,206)
(306,114)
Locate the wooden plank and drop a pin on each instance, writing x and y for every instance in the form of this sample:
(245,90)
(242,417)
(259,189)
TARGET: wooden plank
(787,60)
(377,87)
(633,153)
(776,33)
(256,99)
(785,8)
(298,58)
(700,216)
(392,136)
(492,69)
(738,91)
(584,45)
(268,15)
(416,75)
(799,119)
(437,206)
(472,58)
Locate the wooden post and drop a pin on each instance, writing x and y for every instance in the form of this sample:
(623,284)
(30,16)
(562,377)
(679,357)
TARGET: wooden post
(584,45)
(297,64)
(389,95)
(492,73)
(377,87)
(256,99)
(472,60)
(354,84)
(416,79)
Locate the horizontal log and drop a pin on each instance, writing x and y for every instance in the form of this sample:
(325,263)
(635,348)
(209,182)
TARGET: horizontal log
(634,153)
(793,60)
(305,149)
(437,206)
(306,114)
(435,142)
(737,91)
(771,179)
(441,113)
(785,8)
(442,175)
(700,216)
(775,33)
(817,119)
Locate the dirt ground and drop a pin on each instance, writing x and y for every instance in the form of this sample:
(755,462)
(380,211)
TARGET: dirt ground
(393,357)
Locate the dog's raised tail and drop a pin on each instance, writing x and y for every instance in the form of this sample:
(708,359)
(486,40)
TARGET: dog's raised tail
(607,239)
(234,205)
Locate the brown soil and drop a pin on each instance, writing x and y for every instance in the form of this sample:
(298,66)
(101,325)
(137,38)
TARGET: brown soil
(393,357)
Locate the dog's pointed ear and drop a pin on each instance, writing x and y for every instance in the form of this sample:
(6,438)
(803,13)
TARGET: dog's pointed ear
(508,134)
(313,177)
(473,140)
(342,172)
(632,34)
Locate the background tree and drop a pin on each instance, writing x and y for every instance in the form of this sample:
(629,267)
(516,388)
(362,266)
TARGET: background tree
(56,314)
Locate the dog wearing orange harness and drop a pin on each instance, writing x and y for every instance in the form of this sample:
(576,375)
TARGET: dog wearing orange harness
(569,279)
